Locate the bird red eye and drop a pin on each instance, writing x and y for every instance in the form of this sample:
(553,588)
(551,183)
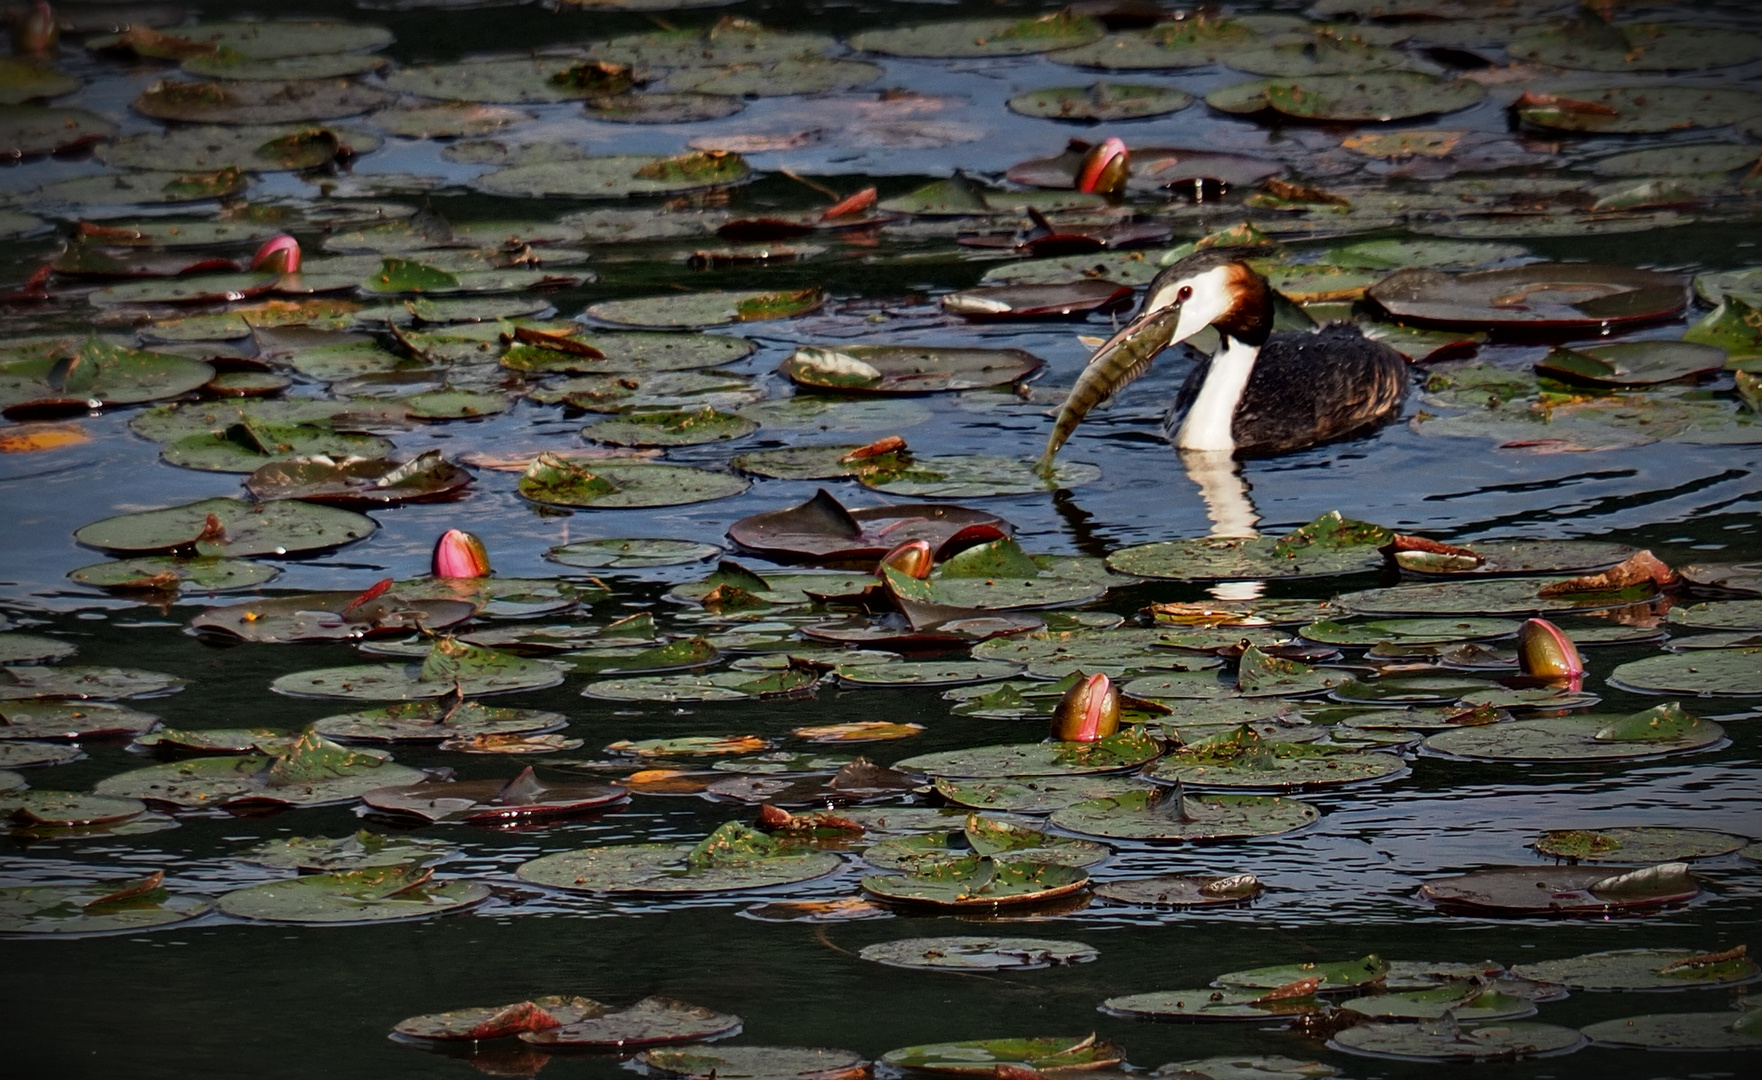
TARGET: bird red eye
(1185,293)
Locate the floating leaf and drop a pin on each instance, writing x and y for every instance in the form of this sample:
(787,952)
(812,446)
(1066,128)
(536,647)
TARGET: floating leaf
(361,851)
(1561,890)
(1116,753)
(1638,110)
(666,868)
(378,894)
(1674,1031)
(525,798)
(620,485)
(1373,96)
(1160,816)
(1636,845)
(1101,101)
(1447,1042)
(230,527)
(1577,738)
(980,1057)
(1182,890)
(978,881)
(613,555)
(429,721)
(653,1021)
(983,37)
(978,953)
(1704,672)
(1209,1003)
(113,906)
(616,177)
(1642,969)
(1537,296)
(1328,546)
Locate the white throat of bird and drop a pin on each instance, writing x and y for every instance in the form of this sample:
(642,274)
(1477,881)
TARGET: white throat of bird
(1208,424)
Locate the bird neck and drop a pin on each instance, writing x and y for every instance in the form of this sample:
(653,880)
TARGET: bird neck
(1210,421)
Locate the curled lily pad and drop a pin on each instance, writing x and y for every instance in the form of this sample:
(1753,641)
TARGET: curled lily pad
(1562,890)
(978,953)
(1445,1041)
(377,894)
(1171,816)
(360,851)
(653,1021)
(620,485)
(616,177)
(26,683)
(983,37)
(902,369)
(1538,296)
(499,1021)
(1639,363)
(1101,101)
(732,858)
(981,1057)
(1116,753)
(352,481)
(1638,110)
(1371,96)
(59,720)
(451,667)
(1636,844)
(264,102)
(1704,672)
(112,906)
(1675,1031)
(430,721)
(230,527)
(672,428)
(1183,890)
(524,798)
(1643,969)
(1210,1003)
(1327,546)
(338,616)
(978,881)
(633,554)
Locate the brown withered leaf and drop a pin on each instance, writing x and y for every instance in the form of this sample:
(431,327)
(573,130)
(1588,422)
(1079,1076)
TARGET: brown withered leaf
(1640,568)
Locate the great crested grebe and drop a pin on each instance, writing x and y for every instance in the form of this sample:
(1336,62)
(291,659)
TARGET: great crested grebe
(1261,393)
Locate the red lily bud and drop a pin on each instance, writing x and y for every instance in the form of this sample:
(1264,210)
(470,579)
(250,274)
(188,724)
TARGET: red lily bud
(1089,711)
(36,32)
(912,558)
(458,554)
(280,254)
(1544,651)
(1103,168)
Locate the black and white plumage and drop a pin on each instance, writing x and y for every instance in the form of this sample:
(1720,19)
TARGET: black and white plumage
(1260,393)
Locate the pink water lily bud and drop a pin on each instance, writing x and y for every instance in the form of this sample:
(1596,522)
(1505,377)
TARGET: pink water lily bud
(1089,711)
(36,33)
(458,554)
(1103,169)
(1544,651)
(912,558)
(280,254)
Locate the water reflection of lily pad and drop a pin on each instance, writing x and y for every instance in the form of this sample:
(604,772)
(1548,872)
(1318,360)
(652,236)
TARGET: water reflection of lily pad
(978,953)
(1167,816)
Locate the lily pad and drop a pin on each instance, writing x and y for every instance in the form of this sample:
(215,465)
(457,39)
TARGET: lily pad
(111,906)
(902,369)
(272,39)
(25,683)
(57,720)
(1372,96)
(1519,557)
(16,648)
(254,148)
(1408,631)
(979,881)
(246,447)
(230,527)
(1116,753)
(1719,615)
(632,554)
(978,953)
(1665,729)
(1209,1003)
(1242,759)
(616,177)
(361,851)
(701,309)
(821,529)
(752,1062)
(794,75)
(1674,1031)
(623,485)
(1498,596)
(627,351)
(451,667)
(523,799)
(23,755)
(1593,891)
(973,476)
(1590,44)
(1192,42)
(673,428)
(1337,975)
(1642,969)
(429,721)
(30,130)
(663,108)
(983,37)
(1101,101)
(1170,816)
(653,1021)
(1445,1041)
(754,862)
(264,102)
(1330,545)
(981,1057)
(338,616)
(499,1021)
(23,80)
(1540,296)
(1639,363)
(96,374)
(1009,303)
(1706,672)
(67,809)
(1641,844)
(354,481)
(377,894)
(1693,160)
(1038,795)
(1639,110)
(1182,890)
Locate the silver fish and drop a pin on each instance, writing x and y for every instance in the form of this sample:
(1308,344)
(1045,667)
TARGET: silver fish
(1122,358)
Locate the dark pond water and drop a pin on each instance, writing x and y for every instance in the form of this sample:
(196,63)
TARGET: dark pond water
(1676,473)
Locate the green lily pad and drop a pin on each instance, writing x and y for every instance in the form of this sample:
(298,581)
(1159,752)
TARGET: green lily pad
(1693,160)
(978,953)
(30,130)
(543,1013)
(230,527)
(1637,844)
(1447,1042)
(1639,363)
(1419,251)
(721,686)
(257,149)
(428,721)
(24,80)
(1165,816)
(801,462)
(994,837)
(631,554)
(1038,795)
(1208,1003)
(1126,267)
(23,755)
(112,906)
(67,809)
(663,108)
(60,720)
(377,894)
(312,772)
(1641,110)
(1500,596)
(1674,1031)
(616,177)
(903,369)
(447,119)
(1641,969)
(451,667)
(1182,890)
(751,1062)
(1172,44)
(1101,101)
(679,868)
(1116,753)
(978,881)
(1464,1002)
(1592,891)
(1571,738)
(674,428)
(928,673)
(1500,557)
(246,447)
(613,393)
(983,37)
(1328,546)
(1719,615)
(619,485)
(526,80)
(24,683)
(728,41)
(650,1022)
(700,309)
(795,75)
(265,102)
(1242,759)
(364,850)
(96,374)
(974,476)
(1735,325)
(235,66)
(1374,96)
(981,1057)
(1704,672)
(16,648)
(1320,53)
(1590,44)
(1408,631)
(630,351)
(356,481)
(1339,975)
(259,40)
